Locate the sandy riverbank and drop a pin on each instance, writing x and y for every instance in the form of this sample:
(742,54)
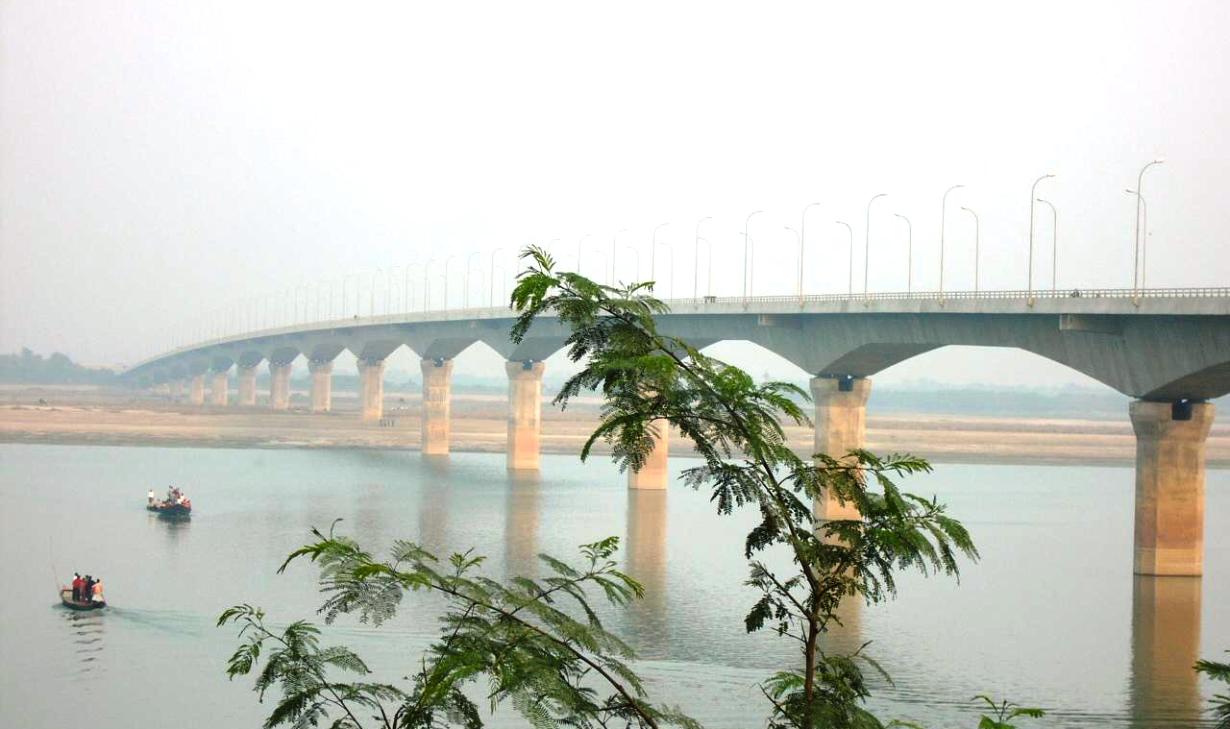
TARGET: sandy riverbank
(479,425)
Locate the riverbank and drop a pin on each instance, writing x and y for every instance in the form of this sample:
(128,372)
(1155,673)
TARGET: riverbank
(479,425)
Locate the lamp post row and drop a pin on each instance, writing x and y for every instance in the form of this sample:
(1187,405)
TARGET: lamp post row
(252,318)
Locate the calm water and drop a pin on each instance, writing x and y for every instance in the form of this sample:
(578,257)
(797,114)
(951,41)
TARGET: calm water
(1051,616)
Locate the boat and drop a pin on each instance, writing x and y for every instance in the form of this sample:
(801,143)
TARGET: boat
(66,597)
(176,505)
(171,509)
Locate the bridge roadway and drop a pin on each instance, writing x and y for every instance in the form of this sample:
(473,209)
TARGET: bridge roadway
(1169,349)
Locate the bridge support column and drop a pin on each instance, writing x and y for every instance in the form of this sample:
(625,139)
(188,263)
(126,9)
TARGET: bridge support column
(1170,445)
(322,385)
(279,385)
(371,389)
(196,389)
(841,426)
(247,384)
(218,385)
(654,474)
(437,403)
(524,413)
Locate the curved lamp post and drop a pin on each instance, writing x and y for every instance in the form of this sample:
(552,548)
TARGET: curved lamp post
(1144,224)
(909,253)
(798,239)
(465,295)
(976,243)
(696,258)
(802,240)
(1140,191)
(943,213)
(1054,243)
(850,231)
(491,291)
(1029,278)
(746,241)
(867,241)
(427,283)
(614,238)
(653,254)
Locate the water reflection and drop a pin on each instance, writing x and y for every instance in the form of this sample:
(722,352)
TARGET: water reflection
(435,496)
(521,511)
(645,560)
(85,640)
(1164,689)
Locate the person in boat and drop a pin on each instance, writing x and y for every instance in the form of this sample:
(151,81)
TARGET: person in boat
(96,592)
(78,583)
(151,497)
(87,589)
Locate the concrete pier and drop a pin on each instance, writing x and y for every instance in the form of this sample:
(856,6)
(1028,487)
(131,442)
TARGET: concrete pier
(247,384)
(322,385)
(279,385)
(1170,445)
(196,389)
(524,413)
(371,389)
(218,385)
(654,474)
(841,426)
(436,406)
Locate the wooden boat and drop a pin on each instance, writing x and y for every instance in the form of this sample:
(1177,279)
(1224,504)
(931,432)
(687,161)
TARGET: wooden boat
(66,597)
(171,510)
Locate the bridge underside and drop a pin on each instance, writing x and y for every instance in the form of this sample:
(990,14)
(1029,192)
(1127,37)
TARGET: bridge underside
(1170,363)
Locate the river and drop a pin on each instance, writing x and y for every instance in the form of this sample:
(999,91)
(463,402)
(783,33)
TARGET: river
(1051,616)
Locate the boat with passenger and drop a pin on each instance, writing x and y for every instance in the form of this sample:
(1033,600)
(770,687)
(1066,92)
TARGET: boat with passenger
(86,593)
(175,505)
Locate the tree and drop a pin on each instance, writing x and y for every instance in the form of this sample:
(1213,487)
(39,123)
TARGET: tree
(1005,711)
(1221,702)
(539,644)
(647,377)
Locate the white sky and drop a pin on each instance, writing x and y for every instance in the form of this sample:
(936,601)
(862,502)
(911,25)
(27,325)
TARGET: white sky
(162,159)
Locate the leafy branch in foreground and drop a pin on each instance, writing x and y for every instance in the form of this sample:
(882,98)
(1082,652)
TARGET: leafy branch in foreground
(1004,712)
(1221,702)
(647,377)
(538,643)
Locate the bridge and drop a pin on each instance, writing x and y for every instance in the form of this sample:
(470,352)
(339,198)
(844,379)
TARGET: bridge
(1169,349)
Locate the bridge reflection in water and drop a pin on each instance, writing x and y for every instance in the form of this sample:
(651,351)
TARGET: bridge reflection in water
(1165,647)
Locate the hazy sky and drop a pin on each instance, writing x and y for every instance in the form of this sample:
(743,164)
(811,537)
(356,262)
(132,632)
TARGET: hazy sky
(161,159)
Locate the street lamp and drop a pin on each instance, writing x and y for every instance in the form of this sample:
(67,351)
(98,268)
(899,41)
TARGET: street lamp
(798,238)
(1144,223)
(427,283)
(850,231)
(614,238)
(976,242)
(653,254)
(943,213)
(867,241)
(371,304)
(491,292)
(465,297)
(1140,191)
(696,258)
(1029,279)
(580,251)
(909,253)
(447,262)
(746,241)
(1054,243)
(802,238)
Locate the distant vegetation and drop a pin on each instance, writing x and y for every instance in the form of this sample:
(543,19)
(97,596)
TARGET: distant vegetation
(26,367)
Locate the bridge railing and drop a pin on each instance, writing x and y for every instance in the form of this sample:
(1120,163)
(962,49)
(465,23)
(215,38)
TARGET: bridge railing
(1015,295)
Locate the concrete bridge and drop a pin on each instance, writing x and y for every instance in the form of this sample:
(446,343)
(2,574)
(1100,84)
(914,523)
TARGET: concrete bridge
(1167,348)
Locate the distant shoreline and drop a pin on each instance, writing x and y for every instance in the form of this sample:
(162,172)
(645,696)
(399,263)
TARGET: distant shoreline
(478,426)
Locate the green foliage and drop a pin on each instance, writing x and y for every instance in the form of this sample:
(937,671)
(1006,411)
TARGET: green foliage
(56,369)
(647,377)
(1004,712)
(538,645)
(1221,702)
